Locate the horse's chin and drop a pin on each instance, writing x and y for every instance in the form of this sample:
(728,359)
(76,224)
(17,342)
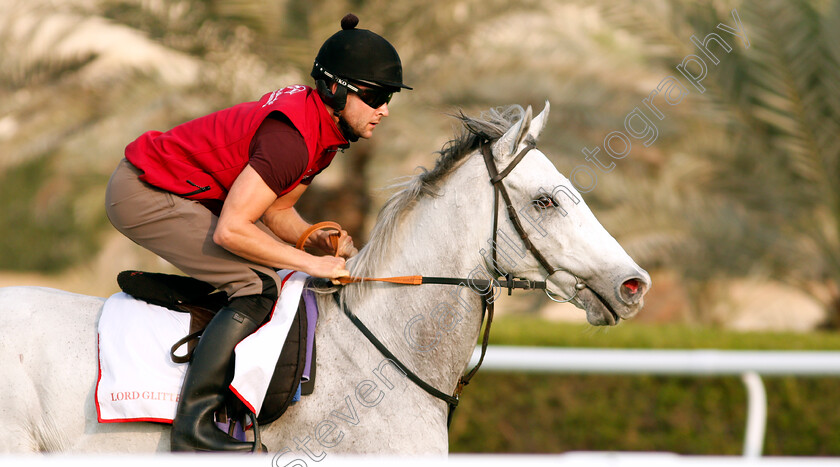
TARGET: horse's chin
(598,311)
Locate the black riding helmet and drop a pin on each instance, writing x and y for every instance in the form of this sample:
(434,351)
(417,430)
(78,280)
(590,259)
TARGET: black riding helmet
(356,56)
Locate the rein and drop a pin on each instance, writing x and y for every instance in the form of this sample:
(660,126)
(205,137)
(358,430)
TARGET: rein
(487,307)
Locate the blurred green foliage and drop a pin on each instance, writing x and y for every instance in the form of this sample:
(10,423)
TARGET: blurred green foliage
(45,227)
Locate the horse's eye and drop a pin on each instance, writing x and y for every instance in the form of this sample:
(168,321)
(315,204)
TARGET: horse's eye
(545,201)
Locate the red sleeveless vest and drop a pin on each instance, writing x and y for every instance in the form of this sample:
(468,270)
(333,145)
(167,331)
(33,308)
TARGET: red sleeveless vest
(200,159)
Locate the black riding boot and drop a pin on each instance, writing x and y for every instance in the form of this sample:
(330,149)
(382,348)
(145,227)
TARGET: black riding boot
(206,383)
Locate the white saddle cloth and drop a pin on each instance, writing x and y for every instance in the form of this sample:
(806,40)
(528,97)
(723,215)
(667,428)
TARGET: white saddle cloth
(139,382)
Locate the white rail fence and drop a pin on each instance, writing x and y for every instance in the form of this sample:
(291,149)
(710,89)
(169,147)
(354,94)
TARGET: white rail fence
(749,364)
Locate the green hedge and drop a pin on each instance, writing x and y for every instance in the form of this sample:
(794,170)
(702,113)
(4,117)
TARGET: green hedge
(543,413)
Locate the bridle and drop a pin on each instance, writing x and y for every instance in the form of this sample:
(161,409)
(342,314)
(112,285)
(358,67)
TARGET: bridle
(487,307)
(496,178)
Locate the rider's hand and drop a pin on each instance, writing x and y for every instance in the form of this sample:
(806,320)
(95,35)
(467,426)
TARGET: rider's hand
(327,243)
(328,267)
(346,248)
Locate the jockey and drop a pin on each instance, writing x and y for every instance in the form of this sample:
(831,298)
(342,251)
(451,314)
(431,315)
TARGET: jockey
(215,197)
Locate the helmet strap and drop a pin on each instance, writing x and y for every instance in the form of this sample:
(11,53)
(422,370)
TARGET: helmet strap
(335,100)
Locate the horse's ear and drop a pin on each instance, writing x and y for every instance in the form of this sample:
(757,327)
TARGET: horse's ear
(539,122)
(507,144)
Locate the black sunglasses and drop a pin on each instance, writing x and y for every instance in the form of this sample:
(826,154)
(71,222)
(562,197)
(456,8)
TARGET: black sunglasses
(374,98)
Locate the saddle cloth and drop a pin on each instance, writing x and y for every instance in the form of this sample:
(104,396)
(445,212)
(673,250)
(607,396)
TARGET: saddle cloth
(139,382)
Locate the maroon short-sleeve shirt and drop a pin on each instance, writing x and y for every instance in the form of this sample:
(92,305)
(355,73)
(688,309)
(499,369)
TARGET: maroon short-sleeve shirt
(278,153)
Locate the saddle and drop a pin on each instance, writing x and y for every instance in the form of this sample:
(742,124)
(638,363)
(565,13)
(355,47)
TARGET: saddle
(199,299)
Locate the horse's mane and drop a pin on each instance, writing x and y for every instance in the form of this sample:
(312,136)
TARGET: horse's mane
(489,126)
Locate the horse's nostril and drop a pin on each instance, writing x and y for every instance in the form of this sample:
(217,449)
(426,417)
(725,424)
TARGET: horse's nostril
(631,291)
(632,286)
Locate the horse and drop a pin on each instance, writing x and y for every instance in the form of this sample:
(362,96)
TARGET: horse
(445,221)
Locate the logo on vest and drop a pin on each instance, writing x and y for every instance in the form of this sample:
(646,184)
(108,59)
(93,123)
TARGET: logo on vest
(287,90)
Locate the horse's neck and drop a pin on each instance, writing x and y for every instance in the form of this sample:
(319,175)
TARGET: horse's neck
(433,328)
